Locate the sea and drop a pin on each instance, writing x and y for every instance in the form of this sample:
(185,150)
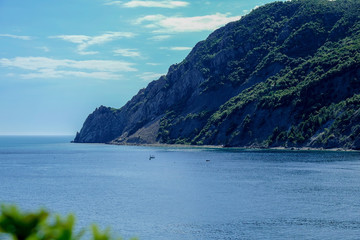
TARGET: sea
(185,192)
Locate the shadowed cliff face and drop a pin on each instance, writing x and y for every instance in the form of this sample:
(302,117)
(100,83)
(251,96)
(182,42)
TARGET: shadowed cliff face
(287,74)
(101,126)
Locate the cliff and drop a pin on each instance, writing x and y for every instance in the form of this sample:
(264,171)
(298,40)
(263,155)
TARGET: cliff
(287,74)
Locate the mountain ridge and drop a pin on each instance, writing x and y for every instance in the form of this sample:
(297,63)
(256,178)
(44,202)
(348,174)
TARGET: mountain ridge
(285,75)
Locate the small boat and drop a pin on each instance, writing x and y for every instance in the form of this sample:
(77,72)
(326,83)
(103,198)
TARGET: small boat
(151,157)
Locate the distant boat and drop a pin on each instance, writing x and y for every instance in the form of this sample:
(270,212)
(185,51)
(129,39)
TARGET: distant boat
(151,157)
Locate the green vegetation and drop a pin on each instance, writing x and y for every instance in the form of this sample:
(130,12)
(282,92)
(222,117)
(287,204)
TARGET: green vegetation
(316,47)
(337,124)
(39,226)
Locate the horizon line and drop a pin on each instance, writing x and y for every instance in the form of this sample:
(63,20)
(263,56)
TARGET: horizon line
(35,134)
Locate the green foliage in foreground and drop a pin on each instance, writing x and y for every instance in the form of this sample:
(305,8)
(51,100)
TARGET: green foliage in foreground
(41,226)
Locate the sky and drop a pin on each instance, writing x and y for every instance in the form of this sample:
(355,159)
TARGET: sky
(59,60)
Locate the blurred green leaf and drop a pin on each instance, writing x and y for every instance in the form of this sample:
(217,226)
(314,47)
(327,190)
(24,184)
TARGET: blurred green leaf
(38,226)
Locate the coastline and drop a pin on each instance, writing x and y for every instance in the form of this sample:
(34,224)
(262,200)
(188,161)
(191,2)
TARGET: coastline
(230,148)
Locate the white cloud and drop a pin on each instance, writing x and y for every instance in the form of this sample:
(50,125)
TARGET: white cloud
(160,37)
(88,52)
(50,73)
(113,3)
(246,11)
(150,18)
(162,24)
(126,52)
(153,64)
(42,67)
(36,63)
(73,38)
(157,4)
(179,48)
(44,48)
(85,42)
(16,36)
(149,76)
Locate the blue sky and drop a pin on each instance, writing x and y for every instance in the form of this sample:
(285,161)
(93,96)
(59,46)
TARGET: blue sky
(59,60)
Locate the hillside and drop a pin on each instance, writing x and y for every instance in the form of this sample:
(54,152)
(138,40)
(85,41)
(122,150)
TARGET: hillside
(287,74)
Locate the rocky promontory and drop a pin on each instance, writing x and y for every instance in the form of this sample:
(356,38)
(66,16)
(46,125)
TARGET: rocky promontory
(285,75)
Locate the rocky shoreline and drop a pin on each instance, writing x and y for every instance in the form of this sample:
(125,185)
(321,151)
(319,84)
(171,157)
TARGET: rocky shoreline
(184,146)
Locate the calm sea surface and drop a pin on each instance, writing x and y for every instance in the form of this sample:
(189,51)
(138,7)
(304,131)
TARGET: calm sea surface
(238,194)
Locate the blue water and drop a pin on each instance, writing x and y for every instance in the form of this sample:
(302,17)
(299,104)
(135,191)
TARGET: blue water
(238,194)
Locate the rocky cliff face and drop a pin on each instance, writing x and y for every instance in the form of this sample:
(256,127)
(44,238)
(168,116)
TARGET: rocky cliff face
(101,126)
(287,74)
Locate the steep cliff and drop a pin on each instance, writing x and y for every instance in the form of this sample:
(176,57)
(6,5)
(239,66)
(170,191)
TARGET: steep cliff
(287,74)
